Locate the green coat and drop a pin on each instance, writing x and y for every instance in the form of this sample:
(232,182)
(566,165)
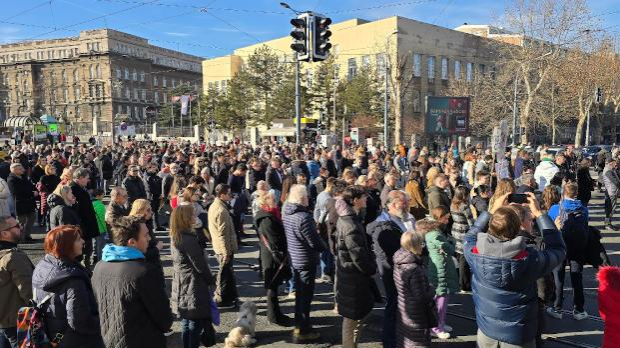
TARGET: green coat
(441,270)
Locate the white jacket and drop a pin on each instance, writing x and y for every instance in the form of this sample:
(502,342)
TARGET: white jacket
(545,171)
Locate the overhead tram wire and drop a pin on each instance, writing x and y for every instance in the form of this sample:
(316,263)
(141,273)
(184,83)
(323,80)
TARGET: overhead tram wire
(26,11)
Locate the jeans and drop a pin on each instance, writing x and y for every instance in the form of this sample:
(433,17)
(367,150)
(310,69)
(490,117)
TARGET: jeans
(464,273)
(225,284)
(27,221)
(304,280)
(100,242)
(576,278)
(351,332)
(391,309)
(327,263)
(190,333)
(442,308)
(8,337)
(155,209)
(291,282)
(610,207)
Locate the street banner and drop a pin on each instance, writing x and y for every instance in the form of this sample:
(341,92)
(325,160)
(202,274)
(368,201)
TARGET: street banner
(500,139)
(53,129)
(40,132)
(447,115)
(185,99)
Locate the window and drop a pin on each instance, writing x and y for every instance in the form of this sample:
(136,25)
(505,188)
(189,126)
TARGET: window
(430,64)
(210,85)
(217,86)
(98,71)
(65,95)
(127,93)
(156,97)
(128,110)
(135,112)
(63,75)
(119,109)
(352,68)
(143,94)
(91,71)
(457,69)
(417,65)
(165,98)
(91,91)
(155,82)
(174,83)
(134,75)
(469,71)
(135,94)
(380,58)
(126,73)
(481,69)
(76,92)
(99,91)
(141,76)
(444,68)
(77,111)
(119,74)
(164,82)
(416,101)
(365,61)
(224,82)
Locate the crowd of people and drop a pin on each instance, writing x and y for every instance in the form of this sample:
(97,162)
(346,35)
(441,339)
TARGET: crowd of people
(405,227)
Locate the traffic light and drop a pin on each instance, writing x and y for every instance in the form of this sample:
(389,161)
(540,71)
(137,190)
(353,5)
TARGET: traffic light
(300,37)
(321,35)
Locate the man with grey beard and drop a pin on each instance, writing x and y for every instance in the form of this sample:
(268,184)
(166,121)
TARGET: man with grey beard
(386,231)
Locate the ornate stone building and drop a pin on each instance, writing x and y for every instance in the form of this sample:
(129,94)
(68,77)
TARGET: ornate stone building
(91,80)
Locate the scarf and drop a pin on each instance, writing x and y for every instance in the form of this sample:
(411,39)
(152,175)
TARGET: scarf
(275,211)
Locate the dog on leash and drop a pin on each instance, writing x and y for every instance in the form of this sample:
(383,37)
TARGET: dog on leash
(242,335)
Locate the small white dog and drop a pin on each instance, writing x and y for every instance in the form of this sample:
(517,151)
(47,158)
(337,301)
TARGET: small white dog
(242,335)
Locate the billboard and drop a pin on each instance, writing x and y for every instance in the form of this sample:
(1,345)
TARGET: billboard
(40,132)
(447,115)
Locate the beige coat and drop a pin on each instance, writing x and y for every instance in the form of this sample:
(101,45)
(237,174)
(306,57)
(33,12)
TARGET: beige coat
(15,284)
(222,229)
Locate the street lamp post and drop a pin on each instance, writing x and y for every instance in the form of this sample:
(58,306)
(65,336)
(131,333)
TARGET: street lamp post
(385,96)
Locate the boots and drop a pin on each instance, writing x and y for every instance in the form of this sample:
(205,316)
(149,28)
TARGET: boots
(274,314)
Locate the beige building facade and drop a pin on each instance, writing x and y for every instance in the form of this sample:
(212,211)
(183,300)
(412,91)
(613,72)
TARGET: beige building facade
(92,79)
(429,57)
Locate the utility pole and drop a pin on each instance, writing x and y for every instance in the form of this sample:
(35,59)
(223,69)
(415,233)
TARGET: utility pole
(514,115)
(297,102)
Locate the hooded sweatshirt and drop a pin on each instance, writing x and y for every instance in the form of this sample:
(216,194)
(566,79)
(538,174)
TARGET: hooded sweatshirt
(545,171)
(115,253)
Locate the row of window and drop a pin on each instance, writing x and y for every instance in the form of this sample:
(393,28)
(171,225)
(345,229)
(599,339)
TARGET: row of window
(40,55)
(219,86)
(132,111)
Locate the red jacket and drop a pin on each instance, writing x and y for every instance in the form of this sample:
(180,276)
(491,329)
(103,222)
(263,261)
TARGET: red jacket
(609,304)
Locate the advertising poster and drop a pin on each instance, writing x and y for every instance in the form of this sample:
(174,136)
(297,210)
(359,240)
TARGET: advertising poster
(447,115)
(40,132)
(53,128)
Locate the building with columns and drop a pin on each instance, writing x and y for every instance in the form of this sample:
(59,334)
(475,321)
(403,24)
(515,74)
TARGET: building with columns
(93,79)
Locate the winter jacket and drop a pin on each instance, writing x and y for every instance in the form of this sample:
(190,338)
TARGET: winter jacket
(36,174)
(608,300)
(373,206)
(544,173)
(222,228)
(133,305)
(107,169)
(84,207)
(441,269)
(302,239)
(415,298)
(274,178)
(254,176)
(100,213)
(114,211)
(5,197)
(62,214)
(15,282)
(22,191)
(274,253)
(385,233)
(47,184)
(135,189)
(191,278)
(462,219)
(153,186)
(504,278)
(73,310)
(355,265)
(436,197)
(480,204)
(574,221)
(384,194)
(313,169)
(611,181)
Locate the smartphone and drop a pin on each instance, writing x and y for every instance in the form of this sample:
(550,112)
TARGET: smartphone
(519,198)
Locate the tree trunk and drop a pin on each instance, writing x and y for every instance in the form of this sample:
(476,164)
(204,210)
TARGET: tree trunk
(553,131)
(524,116)
(398,119)
(579,132)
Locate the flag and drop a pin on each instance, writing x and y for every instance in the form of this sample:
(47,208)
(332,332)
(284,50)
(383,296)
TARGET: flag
(185,99)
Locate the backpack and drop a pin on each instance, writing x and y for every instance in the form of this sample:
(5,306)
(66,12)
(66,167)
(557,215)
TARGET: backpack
(30,326)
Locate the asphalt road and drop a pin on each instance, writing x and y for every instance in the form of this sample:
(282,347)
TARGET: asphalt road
(559,333)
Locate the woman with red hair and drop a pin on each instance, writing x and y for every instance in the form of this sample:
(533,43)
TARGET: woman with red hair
(71,314)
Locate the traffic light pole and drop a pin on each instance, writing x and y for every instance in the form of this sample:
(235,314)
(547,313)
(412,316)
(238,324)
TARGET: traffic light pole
(297,102)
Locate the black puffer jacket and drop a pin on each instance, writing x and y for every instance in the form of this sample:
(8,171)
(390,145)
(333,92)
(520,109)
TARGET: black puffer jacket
(385,235)
(270,229)
(61,213)
(85,210)
(355,265)
(413,328)
(191,279)
(135,188)
(22,191)
(133,304)
(73,310)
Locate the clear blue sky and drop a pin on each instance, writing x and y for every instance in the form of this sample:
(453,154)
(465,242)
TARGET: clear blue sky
(229,24)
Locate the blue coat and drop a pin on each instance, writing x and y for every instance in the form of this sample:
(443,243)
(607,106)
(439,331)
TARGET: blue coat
(302,238)
(504,289)
(73,310)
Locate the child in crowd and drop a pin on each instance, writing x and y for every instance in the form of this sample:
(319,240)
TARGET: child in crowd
(99,208)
